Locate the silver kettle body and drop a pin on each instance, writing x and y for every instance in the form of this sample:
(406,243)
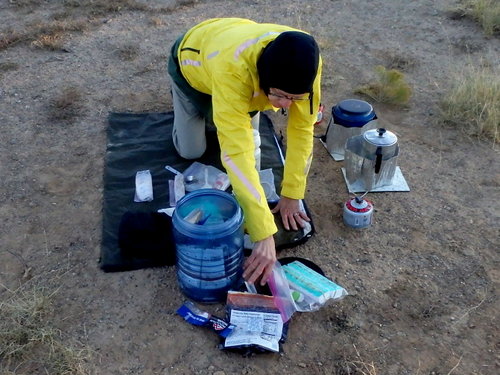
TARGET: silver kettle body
(371,158)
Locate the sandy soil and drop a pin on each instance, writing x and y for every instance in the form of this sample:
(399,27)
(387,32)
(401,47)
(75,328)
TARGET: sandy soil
(423,279)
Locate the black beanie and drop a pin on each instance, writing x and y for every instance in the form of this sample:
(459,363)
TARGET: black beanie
(289,63)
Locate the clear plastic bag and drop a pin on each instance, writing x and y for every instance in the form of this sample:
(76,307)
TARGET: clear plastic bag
(201,176)
(267,181)
(310,290)
(283,299)
(143,186)
(176,189)
(257,321)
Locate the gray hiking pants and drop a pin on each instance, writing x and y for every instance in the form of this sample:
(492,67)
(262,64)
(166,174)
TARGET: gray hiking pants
(189,125)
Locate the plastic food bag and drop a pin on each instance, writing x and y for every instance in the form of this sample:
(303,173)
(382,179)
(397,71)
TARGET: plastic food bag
(143,186)
(203,176)
(283,299)
(267,181)
(310,290)
(258,323)
(176,189)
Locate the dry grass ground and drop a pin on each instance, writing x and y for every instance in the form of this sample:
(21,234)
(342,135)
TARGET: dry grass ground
(67,105)
(473,103)
(29,340)
(422,281)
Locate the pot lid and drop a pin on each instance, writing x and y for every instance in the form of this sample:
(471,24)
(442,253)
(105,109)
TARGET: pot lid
(353,113)
(380,137)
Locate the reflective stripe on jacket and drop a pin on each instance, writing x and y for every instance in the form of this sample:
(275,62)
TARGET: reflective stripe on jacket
(219,57)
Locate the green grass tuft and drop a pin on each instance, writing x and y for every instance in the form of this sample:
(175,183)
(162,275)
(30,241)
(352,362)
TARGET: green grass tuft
(473,103)
(485,12)
(390,88)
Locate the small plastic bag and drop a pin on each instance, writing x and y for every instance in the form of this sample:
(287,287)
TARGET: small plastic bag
(143,186)
(205,177)
(176,189)
(267,181)
(281,292)
(310,290)
(258,323)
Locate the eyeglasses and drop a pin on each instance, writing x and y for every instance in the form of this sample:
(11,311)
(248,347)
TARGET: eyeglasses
(293,99)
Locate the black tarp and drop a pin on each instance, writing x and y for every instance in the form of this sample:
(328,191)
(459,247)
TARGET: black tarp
(143,141)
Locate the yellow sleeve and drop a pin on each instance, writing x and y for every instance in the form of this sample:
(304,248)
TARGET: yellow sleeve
(230,100)
(299,143)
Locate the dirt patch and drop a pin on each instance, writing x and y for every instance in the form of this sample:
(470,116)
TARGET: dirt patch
(423,279)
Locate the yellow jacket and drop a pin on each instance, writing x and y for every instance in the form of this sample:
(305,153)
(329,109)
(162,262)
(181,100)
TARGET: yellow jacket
(219,57)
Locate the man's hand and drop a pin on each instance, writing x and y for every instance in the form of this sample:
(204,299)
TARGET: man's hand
(261,261)
(291,215)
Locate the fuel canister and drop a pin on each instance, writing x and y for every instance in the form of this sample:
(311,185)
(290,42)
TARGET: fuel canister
(358,213)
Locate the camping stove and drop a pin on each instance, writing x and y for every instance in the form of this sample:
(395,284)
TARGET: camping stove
(358,212)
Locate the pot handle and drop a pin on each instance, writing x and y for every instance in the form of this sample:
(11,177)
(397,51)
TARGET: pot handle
(378,159)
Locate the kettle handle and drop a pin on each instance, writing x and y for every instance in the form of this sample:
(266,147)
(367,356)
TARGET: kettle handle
(378,159)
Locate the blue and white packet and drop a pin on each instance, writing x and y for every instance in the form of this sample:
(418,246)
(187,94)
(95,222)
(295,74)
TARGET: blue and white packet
(197,317)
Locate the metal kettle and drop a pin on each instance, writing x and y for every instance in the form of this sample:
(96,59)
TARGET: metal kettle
(371,158)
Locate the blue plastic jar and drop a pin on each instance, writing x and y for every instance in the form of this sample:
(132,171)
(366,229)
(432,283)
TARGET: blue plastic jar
(210,249)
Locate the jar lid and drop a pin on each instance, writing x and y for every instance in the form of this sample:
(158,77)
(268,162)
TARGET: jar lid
(353,113)
(380,137)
